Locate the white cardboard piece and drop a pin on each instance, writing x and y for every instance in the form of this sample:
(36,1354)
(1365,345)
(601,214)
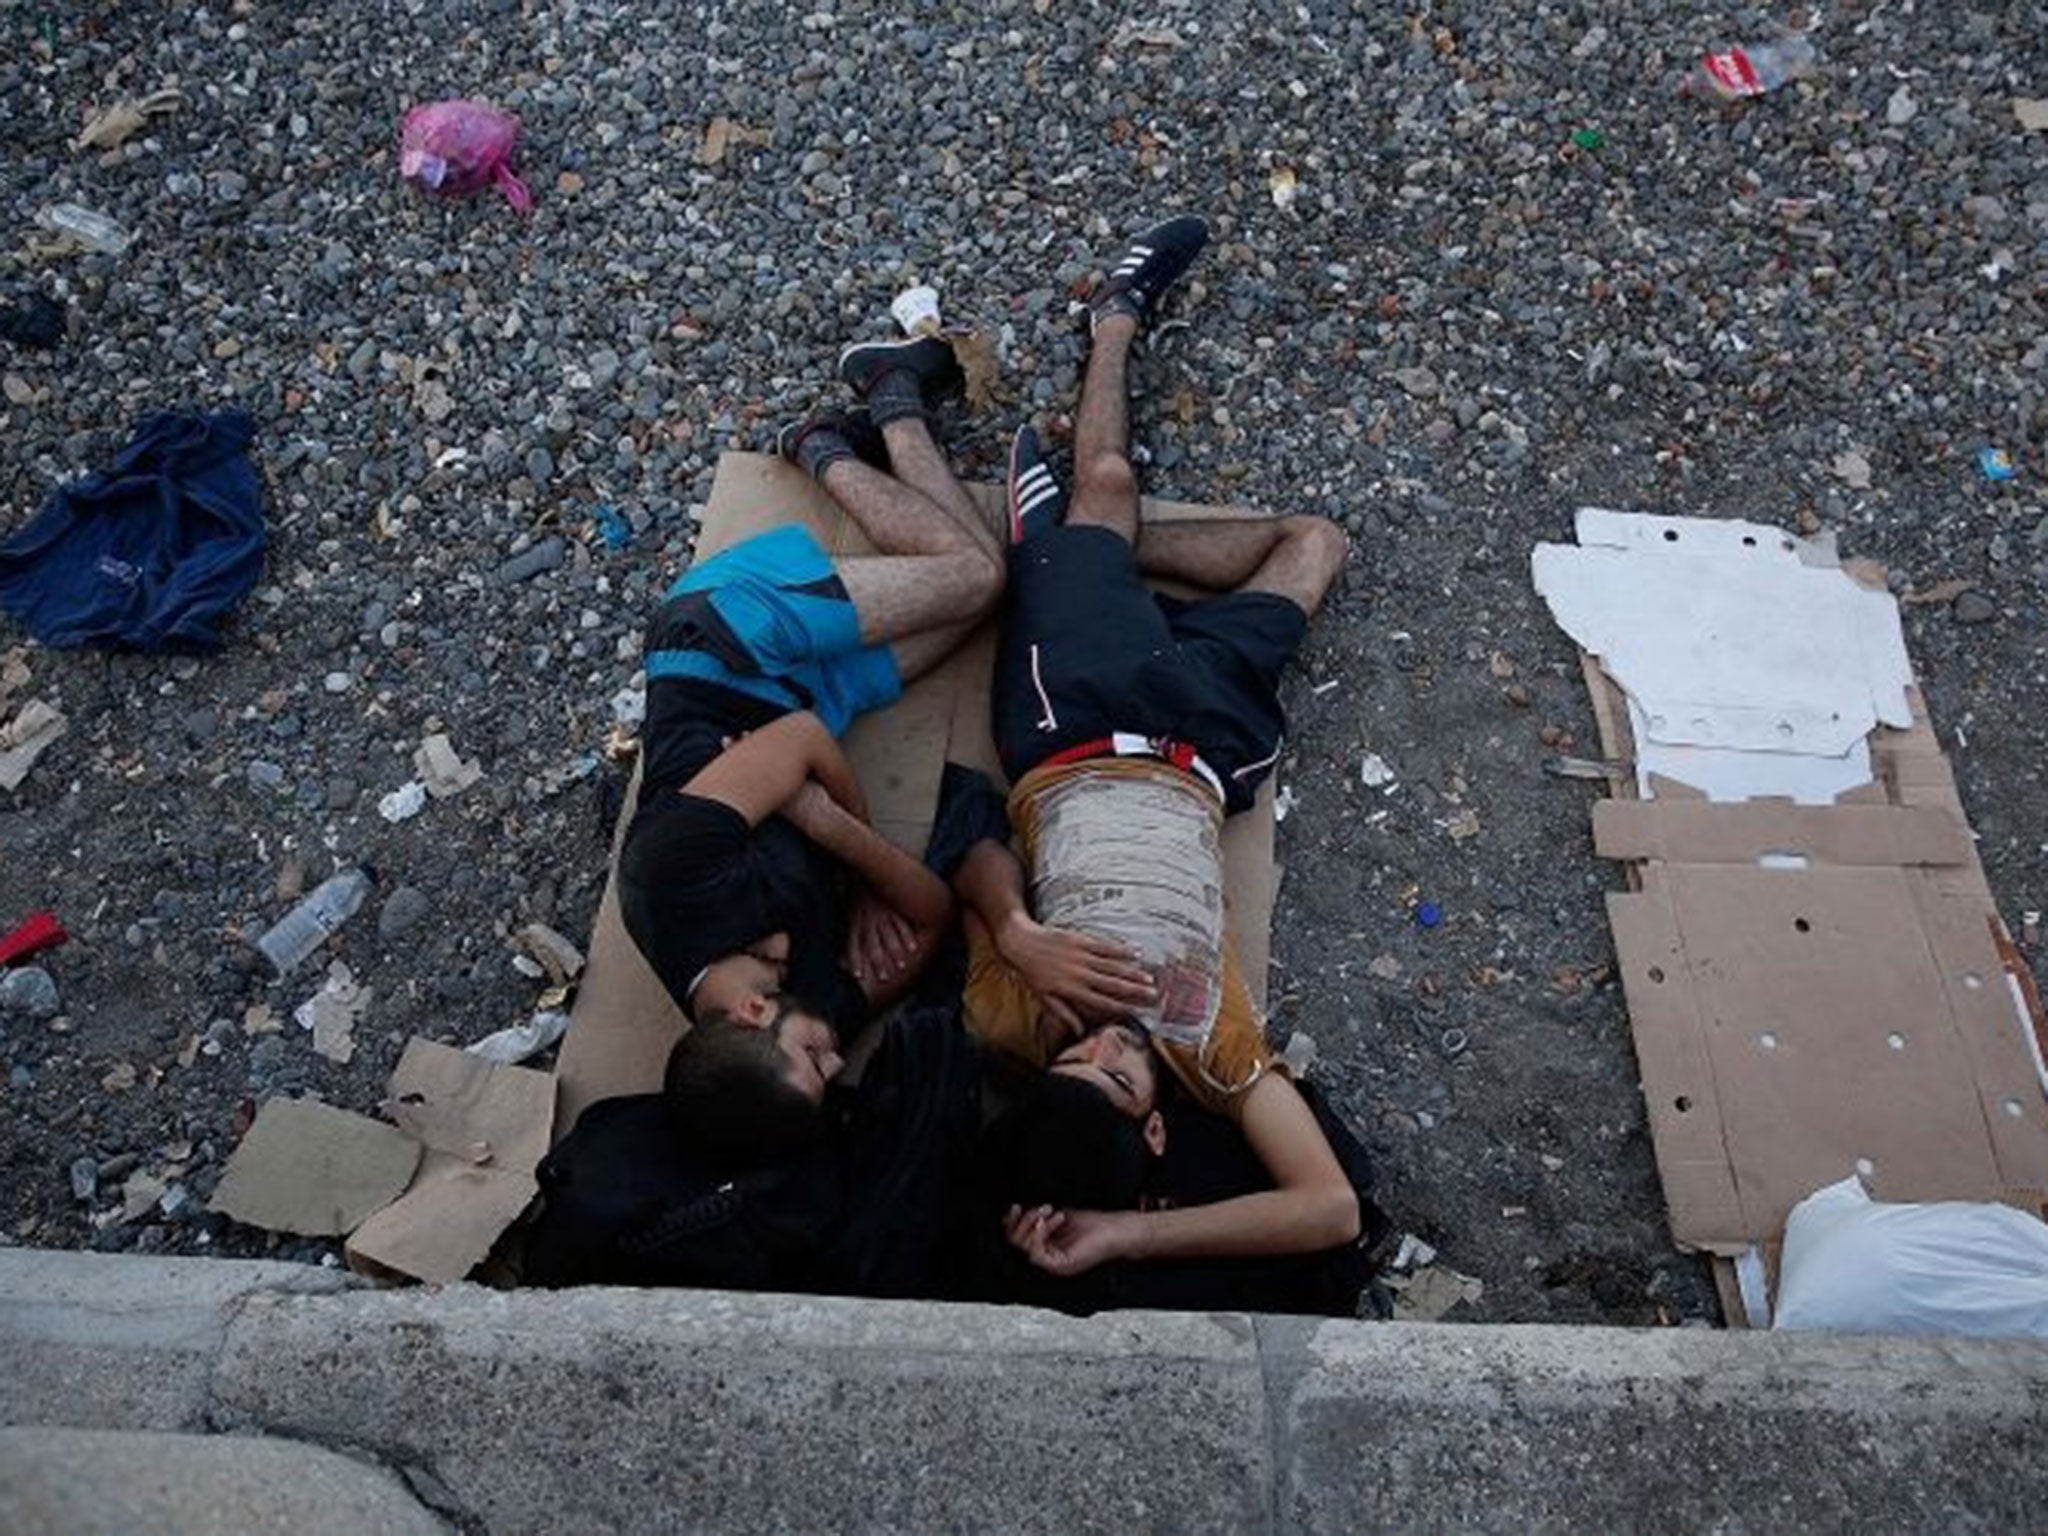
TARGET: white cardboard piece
(1734,641)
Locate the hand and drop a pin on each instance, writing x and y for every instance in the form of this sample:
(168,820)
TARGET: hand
(1079,977)
(881,944)
(1067,1243)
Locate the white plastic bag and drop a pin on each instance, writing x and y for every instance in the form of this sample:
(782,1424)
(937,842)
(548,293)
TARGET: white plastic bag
(1858,1265)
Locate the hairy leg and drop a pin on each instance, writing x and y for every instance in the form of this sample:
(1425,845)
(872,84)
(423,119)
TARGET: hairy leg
(916,460)
(1105,486)
(899,596)
(1296,557)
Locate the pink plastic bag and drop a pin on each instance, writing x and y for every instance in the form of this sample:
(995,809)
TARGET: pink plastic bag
(454,148)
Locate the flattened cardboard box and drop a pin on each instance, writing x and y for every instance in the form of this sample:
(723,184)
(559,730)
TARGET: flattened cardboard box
(1819,989)
(624,1021)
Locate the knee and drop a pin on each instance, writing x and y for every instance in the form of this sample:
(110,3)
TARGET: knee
(1322,547)
(985,585)
(1105,476)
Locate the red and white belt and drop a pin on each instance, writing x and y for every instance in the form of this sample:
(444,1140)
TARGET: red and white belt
(1131,744)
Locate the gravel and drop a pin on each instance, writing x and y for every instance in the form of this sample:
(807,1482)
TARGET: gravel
(1460,326)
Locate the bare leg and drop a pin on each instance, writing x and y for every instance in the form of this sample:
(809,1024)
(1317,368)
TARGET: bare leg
(898,518)
(915,460)
(1296,557)
(898,596)
(1105,486)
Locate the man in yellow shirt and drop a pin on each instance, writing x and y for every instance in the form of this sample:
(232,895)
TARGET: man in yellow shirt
(1130,725)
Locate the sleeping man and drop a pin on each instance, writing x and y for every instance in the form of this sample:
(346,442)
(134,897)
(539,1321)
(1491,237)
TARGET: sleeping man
(1130,725)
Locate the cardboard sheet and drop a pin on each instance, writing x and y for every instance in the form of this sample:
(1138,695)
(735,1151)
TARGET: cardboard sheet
(624,1022)
(313,1169)
(1731,639)
(1819,989)
(486,1128)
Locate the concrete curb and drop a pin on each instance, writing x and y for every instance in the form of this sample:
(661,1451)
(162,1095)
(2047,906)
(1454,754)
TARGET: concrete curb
(625,1410)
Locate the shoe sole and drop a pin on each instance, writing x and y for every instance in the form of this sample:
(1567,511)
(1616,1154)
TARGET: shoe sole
(929,357)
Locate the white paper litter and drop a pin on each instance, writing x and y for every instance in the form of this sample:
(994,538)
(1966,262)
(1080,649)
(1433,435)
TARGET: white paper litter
(509,1047)
(404,802)
(1753,664)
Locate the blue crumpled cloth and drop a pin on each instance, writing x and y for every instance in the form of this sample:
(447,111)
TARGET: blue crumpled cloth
(149,553)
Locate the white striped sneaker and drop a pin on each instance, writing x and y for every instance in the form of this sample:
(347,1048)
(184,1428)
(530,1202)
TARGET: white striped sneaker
(1036,500)
(1155,261)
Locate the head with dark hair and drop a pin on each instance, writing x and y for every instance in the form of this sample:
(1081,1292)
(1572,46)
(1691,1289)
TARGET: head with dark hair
(743,1091)
(1119,1063)
(1063,1143)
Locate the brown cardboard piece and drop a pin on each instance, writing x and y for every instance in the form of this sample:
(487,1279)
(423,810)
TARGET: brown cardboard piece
(313,1169)
(624,1021)
(1815,990)
(485,1127)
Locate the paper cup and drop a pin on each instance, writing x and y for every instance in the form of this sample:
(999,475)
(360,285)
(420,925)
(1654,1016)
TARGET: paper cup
(917,311)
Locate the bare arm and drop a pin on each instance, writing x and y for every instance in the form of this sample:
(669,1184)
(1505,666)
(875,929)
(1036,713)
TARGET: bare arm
(761,772)
(1311,1207)
(1077,976)
(898,879)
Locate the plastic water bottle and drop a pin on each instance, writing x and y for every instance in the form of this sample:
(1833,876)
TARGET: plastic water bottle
(315,920)
(1752,69)
(90,228)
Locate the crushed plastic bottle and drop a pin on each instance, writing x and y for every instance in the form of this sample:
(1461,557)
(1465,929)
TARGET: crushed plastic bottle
(1752,69)
(454,148)
(88,227)
(315,920)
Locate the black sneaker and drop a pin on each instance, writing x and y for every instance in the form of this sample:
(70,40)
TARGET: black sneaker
(813,443)
(1036,500)
(927,359)
(1156,260)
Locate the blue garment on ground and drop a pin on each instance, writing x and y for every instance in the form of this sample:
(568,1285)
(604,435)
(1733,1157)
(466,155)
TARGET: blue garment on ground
(147,554)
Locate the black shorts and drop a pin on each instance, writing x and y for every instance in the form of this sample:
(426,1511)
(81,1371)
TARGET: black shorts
(1087,649)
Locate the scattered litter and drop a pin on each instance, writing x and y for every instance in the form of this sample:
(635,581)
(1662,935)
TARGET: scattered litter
(257,1019)
(1413,1253)
(485,1127)
(509,1047)
(404,802)
(975,351)
(30,991)
(1374,772)
(1283,803)
(721,133)
(2032,113)
(441,770)
(1852,468)
(916,310)
(150,552)
(1453,1042)
(140,1194)
(332,1012)
(612,526)
(1941,592)
(1463,826)
(562,960)
(1562,767)
(33,320)
(1430,1292)
(86,228)
(1589,139)
(315,1170)
(126,118)
(454,148)
(1996,465)
(2030,928)
(120,1077)
(1958,1268)
(23,739)
(1752,69)
(315,920)
(1282,187)
(1428,914)
(1299,1055)
(1385,967)
(31,936)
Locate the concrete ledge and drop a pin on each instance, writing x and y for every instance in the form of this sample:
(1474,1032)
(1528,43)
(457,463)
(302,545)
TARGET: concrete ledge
(622,1410)
(93,1482)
